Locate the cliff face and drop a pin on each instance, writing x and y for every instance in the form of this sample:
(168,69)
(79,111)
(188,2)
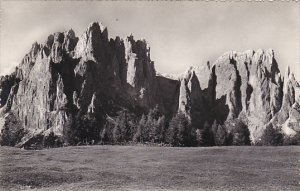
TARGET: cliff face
(252,85)
(68,77)
(244,85)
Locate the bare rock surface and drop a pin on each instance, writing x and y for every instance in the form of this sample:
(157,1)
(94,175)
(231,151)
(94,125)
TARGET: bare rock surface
(67,77)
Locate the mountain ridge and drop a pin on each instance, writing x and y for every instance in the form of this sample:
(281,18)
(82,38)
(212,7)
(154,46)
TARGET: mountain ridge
(69,76)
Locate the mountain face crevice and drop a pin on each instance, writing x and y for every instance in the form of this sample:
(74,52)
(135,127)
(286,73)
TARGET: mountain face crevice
(237,90)
(6,84)
(249,88)
(67,80)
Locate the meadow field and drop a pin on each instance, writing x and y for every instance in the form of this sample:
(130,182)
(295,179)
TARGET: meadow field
(150,168)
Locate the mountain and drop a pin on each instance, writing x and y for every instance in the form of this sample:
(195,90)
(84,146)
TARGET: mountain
(67,78)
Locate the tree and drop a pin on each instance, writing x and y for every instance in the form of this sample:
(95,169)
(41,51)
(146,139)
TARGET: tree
(50,140)
(180,131)
(156,129)
(138,136)
(150,127)
(12,131)
(207,135)
(117,134)
(199,140)
(124,127)
(87,129)
(214,126)
(69,131)
(271,136)
(154,125)
(239,133)
(5,139)
(123,123)
(172,132)
(159,129)
(220,135)
(154,113)
(106,136)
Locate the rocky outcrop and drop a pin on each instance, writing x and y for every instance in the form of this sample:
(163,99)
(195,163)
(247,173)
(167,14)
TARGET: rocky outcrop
(141,75)
(67,79)
(245,85)
(288,115)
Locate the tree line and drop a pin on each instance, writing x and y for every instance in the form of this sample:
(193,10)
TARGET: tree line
(153,127)
(150,128)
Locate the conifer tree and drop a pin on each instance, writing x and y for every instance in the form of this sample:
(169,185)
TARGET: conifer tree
(220,136)
(271,136)
(138,136)
(207,135)
(180,131)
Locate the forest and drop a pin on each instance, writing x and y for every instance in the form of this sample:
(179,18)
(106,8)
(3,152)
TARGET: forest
(150,129)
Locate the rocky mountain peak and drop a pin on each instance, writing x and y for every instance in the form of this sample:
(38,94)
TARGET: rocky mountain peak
(140,66)
(92,77)
(35,48)
(92,43)
(96,26)
(202,72)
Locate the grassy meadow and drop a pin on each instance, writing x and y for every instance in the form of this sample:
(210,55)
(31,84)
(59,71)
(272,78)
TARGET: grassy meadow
(150,168)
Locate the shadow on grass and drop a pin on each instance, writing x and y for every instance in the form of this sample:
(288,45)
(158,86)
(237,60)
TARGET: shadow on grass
(38,179)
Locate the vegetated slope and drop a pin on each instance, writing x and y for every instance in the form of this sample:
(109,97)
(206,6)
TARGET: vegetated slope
(150,168)
(68,81)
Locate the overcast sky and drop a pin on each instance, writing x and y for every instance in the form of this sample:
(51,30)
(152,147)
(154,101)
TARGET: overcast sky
(180,34)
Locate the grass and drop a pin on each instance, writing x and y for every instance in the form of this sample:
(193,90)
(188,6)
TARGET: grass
(150,168)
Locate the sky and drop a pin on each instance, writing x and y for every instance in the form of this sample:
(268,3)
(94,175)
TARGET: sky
(180,34)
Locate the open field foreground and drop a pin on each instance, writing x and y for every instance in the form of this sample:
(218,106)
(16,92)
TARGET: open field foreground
(150,168)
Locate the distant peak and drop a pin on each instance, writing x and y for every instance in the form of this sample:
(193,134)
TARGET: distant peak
(130,38)
(35,44)
(48,43)
(289,75)
(35,47)
(287,71)
(270,51)
(249,52)
(70,33)
(98,26)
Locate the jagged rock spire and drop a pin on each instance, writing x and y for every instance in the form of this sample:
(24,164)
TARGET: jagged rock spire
(93,75)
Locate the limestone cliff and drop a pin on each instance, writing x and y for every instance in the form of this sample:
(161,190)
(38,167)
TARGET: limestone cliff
(67,78)
(245,85)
